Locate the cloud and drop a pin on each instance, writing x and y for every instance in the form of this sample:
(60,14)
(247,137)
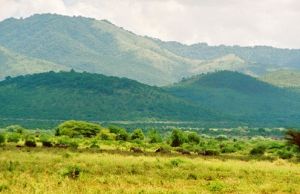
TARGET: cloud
(230,22)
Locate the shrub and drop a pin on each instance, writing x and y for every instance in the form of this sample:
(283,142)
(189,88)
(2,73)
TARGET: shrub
(72,172)
(209,152)
(137,134)
(30,141)
(2,138)
(46,141)
(228,148)
(77,129)
(284,154)
(16,129)
(122,135)
(106,135)
(154,136)
(258,150)
(114,129)
(193,138)
(293,137)
(177,138)
(13,137)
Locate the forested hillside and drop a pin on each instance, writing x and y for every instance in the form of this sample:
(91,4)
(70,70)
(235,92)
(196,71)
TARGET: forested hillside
(86,96)
(243,97)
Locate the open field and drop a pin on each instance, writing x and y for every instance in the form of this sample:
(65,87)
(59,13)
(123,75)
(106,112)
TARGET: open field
(53,170)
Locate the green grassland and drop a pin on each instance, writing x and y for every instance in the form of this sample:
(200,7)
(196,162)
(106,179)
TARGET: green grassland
(36,170)
(81,157)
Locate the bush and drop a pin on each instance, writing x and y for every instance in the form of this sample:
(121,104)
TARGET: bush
(177,138)
(228,148)
(209,152)
(154,136)
(77,129)
(122,135)
(137,134)
(13,137)
(65,141)
(258,150)
(193,138)
(30,141)
(106,135)
(2,138)
(72,172)
(16,129)
(284,154)
(46,140)
(293,137)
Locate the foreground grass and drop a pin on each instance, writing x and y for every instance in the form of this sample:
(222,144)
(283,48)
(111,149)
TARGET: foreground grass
(41,170)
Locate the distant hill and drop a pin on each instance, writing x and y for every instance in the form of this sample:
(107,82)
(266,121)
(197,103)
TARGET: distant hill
(259,59)
(283,78)
(86,96)
(13,64)
(56,42)
(243,97)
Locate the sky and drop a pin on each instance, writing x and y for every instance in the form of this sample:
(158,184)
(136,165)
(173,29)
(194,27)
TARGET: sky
(230,22)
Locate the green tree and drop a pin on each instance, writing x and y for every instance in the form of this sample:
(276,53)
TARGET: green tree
(293,137)
(78,129)
(122,135)
(177,138)
(193,137)
(137,134)
(154,136)
(2,138)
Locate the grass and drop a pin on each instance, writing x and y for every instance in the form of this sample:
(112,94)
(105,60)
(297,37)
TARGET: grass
(53,170)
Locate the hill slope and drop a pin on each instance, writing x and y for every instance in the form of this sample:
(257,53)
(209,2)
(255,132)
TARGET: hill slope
(90,45)
(283,78)
(86,44)
(85,96)
(260,59)
(243,97)
(13,64)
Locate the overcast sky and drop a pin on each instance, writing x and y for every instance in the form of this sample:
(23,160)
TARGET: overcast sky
(230,22)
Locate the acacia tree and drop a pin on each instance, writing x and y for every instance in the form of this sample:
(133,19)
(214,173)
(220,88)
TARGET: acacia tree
(293,137)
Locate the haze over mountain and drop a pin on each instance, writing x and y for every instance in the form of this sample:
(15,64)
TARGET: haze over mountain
(55,42)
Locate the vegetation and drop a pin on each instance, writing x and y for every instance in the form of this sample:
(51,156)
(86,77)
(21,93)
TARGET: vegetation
(145,162)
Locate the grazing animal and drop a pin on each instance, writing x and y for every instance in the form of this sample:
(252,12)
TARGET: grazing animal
(136,150)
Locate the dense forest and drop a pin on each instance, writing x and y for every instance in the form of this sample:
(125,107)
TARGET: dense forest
(219,99)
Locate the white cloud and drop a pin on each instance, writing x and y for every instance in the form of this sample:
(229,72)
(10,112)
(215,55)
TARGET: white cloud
(243,22)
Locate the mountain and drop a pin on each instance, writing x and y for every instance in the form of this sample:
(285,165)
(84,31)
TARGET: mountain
(240,96)
(98,46)
(86,96)
(283,78)
(12,64)
(258,59)
(90,45)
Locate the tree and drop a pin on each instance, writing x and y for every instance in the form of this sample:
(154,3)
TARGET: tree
(154,136)
(2,138)
(122,135)
(78,129)
(193,138)
(177,138)
(293,137)
(137,134)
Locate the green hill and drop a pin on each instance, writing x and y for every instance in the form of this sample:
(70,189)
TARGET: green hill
(283,78)
(13,64)
(85,96)
(86,44)
(242,97)
(90,45)
(259,59)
